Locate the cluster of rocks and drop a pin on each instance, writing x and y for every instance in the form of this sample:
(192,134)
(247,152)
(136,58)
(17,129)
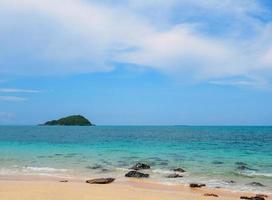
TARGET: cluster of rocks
(142,166)
(136,172)
(241,166)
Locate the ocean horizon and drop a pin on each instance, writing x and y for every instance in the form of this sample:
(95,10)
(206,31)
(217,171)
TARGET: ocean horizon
(233,157)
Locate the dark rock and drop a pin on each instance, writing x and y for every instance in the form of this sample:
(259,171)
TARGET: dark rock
(211,195)
(253,198)
(139,166)
(100,181)
(245,197)
(179,170)
(243,167)
(136,174)
(174,176)
(63,181)
(217,162)
(230,181)
(256,184)
(196,185)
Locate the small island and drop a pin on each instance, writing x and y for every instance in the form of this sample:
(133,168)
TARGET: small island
(73,120)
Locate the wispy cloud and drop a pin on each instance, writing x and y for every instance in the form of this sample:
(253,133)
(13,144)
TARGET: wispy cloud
(257,83)
(17,90)
(199,40)
(12,98)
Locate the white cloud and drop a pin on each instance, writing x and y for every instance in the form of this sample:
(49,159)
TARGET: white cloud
(17,90)
(12,98)
(87,36)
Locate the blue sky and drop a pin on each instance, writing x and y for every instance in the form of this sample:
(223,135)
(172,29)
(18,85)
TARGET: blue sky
(136,62)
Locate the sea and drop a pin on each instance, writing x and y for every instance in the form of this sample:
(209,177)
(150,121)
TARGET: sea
(231,157)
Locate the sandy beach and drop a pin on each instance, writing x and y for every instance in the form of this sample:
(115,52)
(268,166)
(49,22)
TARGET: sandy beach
(131,190)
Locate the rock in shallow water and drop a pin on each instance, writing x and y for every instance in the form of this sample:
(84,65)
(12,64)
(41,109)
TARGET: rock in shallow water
(179,170)
(136,174)
(256,184)
(240,163)
(140,166)
(94,167)
(230,181)
(243,167)
(100,181)
(217,162)
(174,176)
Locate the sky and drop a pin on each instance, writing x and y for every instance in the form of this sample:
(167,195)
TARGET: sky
(136,62)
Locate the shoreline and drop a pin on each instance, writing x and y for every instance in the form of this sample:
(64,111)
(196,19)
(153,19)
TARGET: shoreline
(132,189)
(125,180)
(121,180)
(52,188)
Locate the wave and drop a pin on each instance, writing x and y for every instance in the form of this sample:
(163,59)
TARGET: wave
(43,169)
(255,174)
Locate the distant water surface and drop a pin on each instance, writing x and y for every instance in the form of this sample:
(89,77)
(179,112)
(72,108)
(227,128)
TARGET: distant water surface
(231,157)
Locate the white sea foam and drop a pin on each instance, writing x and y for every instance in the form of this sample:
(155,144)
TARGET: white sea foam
(256,174)
(43,169)
(162,171)
(121,169)
(6,171)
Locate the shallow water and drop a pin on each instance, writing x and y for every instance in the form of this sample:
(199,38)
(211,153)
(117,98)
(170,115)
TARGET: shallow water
(208,154)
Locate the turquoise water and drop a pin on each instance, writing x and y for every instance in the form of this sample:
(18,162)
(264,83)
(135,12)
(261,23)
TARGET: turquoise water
(208,154)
